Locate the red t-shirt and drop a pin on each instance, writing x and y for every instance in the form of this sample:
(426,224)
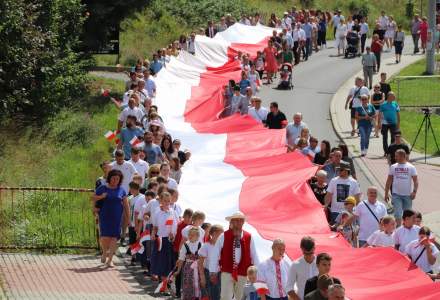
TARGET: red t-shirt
(376,47)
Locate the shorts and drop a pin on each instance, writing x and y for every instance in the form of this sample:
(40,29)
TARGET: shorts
(400,203)
(353,112)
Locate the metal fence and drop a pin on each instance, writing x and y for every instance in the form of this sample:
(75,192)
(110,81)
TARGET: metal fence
(420,91)
(46,218)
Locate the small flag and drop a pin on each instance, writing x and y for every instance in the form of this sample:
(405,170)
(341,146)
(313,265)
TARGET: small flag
(135,141)
(118,136)
(162,287)
(169,222)
(261,288)
(145,236)
(135,248)
(110,135)
(105,93)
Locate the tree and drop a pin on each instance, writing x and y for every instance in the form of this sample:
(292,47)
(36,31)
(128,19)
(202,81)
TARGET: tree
(39,70)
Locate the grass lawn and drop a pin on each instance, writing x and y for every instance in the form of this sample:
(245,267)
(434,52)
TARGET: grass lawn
(410,123)
(416,91)
(56,155)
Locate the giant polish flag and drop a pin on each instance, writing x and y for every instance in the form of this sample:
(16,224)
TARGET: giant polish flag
(237,164)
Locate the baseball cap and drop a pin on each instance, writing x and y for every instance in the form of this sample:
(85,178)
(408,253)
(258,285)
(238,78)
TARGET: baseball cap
(350,200)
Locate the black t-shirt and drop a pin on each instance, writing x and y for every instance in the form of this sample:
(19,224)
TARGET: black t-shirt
(319,159)
(356,28)
(319,192)
(393,148)
(312,284)
(380,33)
(385,88)
(274,121)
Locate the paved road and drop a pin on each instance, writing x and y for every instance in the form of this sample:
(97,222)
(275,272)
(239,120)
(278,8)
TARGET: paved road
(315,83)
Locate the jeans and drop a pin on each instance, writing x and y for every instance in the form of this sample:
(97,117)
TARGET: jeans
(377,54)
(365,131)
(384,130)
(400,203)
(363,40)
(308,48)
(415,38)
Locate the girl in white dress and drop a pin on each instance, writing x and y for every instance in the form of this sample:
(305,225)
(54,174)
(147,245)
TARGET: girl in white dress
(390,32)
(341,34)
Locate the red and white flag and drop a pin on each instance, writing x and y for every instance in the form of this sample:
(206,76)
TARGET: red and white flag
(135,142)
(169,222)
(135,248)
(110,135)
(261,288)
(105,92)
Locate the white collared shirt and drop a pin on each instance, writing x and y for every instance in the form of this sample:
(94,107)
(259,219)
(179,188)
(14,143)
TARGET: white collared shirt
(260,115)
(299,272)
(403,236)
(136,204)
(141,167)
(267,273)
(185,232)
(364,28)
(135,111)
(381,239)
(213,265)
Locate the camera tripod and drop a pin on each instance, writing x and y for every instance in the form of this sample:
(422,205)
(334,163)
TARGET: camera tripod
(428,126)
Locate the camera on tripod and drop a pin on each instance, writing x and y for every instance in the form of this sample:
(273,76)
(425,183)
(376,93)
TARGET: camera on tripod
(426,110)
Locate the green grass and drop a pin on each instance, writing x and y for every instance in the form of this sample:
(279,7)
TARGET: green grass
(105,60)
(64,153)
(410,123)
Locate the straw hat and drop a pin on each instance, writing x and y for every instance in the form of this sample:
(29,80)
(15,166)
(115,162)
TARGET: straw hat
(237,215)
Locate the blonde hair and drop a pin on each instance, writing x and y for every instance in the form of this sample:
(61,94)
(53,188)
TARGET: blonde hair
(194,230)
(252,270)
(198,215)
(387,220)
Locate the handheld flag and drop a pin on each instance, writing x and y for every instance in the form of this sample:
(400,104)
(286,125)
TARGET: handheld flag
(110,135)
(261,288)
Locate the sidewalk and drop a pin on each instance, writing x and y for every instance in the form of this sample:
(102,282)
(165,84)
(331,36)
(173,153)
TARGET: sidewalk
(374,164)
(36,276)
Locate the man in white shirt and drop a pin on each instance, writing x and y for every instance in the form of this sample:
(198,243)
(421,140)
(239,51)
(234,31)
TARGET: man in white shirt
(131,110)
(364,33)
(192,43)
(150,85)
(302,269)
(235,249)
(406,233)
(293,130)
(422,251)
(369,213)
(354,100)
(125,167)
(139,164)
(286,21)
(274,271)
(383,21)
(339,188)
(165,173)
(403,177)
(336,20)
(257,111)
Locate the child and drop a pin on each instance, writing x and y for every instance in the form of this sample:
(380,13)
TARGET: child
(196,221)
(186,220)
(188,256)
(249,290)
(383,237)
(259,64)
(175,171)
(206,227)
(349,204)
(377,98)
(143,223)
(136,201)
(206,254)
(174,205)
(418,220)
(164,231)
(348,230)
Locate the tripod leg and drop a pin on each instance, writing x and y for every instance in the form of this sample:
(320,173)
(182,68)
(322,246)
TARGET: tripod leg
(433,134)
(417,135)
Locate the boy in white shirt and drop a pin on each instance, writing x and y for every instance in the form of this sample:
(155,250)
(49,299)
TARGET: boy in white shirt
(422,251)
(383,237)
(407,232)
(197,220)
(206,253)
(136,201)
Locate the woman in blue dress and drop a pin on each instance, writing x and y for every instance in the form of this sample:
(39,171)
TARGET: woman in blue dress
(113,205)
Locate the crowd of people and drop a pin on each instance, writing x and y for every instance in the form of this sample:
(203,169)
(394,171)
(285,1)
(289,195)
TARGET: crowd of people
(138,192)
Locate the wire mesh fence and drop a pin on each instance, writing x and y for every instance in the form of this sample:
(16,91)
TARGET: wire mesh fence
(46,218)
(423,91)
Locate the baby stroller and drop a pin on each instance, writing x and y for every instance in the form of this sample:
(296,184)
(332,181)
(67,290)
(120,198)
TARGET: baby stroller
(352,49)
(286,77)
